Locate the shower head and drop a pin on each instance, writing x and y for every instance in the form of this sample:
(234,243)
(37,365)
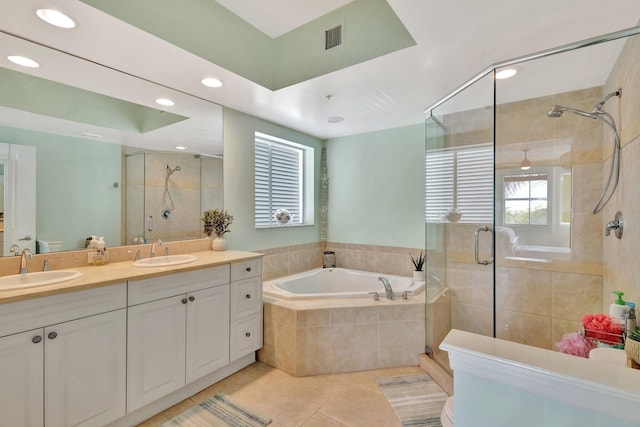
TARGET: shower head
(171,171)
(558,111)
(599,105)
(605,117)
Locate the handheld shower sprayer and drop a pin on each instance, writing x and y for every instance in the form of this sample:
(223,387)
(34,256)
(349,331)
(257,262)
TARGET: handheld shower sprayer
(599,114)
(167,201)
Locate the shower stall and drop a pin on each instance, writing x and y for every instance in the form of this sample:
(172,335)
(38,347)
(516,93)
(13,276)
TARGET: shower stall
(525,177)
(166,194)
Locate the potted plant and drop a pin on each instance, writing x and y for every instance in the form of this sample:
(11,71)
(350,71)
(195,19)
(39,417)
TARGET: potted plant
(418,263)
(217,222)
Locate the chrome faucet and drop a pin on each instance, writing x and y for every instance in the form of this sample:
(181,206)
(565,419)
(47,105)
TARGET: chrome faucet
(155,243)
(387,287)
(26,254)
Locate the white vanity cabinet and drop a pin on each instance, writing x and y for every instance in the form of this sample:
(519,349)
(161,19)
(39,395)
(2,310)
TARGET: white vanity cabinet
(178,331)
(246,308)
(63,359)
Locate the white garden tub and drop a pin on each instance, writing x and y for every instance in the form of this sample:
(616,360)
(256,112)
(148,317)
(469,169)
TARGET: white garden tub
(338,283)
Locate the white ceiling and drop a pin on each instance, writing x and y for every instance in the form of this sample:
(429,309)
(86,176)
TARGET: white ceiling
(455,40)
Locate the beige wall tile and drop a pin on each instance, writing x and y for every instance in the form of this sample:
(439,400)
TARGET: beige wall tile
(403,312)
(320,317)
(286,348)
(347,337)
(366,315)
(524,328)
(472,318)
(525,291)
(575,295)
(400,343)
(318,356)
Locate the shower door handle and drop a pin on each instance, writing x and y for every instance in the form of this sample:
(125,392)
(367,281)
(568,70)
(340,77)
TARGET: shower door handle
(478,230)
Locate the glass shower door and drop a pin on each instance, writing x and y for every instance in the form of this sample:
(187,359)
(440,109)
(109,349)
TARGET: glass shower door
(460,215)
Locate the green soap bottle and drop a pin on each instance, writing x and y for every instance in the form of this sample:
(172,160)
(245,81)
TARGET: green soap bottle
(619,310)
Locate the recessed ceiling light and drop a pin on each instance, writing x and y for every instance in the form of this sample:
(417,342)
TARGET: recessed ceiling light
(211,82)
(165,101)
(23,60)
(335,119)
(506,73)
(55,17)
(180,147)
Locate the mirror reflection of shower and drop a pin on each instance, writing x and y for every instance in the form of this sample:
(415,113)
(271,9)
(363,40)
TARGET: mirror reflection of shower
(599,114)
(168,206)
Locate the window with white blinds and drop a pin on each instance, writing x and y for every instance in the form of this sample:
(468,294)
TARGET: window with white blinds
(460,178)
(280,169)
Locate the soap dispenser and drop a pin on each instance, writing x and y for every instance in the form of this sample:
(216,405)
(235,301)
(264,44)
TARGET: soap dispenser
(619,310)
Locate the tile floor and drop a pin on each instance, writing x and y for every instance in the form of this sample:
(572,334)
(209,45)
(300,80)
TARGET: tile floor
(350,399)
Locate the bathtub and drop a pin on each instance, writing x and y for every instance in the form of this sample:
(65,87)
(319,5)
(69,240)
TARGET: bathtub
(323,283)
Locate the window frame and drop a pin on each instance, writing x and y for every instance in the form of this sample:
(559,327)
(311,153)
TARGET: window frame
(551,202)
(303,214)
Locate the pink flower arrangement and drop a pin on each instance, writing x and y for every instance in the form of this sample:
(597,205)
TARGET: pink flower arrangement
(602,327)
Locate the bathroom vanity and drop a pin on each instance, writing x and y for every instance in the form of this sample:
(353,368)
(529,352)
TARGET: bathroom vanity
(120,343)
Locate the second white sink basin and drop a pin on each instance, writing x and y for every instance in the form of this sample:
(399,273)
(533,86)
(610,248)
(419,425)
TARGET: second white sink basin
(40,278)
(164,261)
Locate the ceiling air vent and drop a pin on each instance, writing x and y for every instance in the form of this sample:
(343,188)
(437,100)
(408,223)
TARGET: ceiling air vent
(333,37)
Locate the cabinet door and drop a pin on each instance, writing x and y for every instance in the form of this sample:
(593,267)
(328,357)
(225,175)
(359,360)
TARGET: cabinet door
(22,374)
(156,350)
(85,371)
(207,331)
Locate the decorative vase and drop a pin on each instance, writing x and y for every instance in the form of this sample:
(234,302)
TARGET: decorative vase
(219,243)
(418,276)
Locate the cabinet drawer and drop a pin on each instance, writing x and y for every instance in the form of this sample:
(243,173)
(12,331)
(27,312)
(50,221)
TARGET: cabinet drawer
(246,269)
(156,288)
(246,297)
(35,313)
(246,336)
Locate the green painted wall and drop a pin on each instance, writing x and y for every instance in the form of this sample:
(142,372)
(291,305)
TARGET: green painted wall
(209,30)
(376,188)
(239,143)
(75,197)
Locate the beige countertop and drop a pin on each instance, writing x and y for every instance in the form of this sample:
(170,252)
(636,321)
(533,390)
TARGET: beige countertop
(117,272)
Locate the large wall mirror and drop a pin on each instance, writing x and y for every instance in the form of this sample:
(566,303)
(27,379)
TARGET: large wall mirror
(106,161)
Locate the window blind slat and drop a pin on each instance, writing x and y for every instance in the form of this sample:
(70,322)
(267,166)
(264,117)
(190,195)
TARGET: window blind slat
(279,175)
(460,177)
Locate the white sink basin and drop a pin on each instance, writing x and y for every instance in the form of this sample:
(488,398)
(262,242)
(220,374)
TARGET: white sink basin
(164,261)
(40,278)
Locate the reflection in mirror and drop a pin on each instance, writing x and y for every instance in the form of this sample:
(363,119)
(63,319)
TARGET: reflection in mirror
(85,122)
(166,194)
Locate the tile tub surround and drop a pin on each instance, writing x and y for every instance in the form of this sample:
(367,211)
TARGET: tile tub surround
(289,260)
(346,335)
(377,259)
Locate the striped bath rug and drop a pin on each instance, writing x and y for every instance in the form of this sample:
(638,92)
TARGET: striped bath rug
(416,399)
(218,411)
